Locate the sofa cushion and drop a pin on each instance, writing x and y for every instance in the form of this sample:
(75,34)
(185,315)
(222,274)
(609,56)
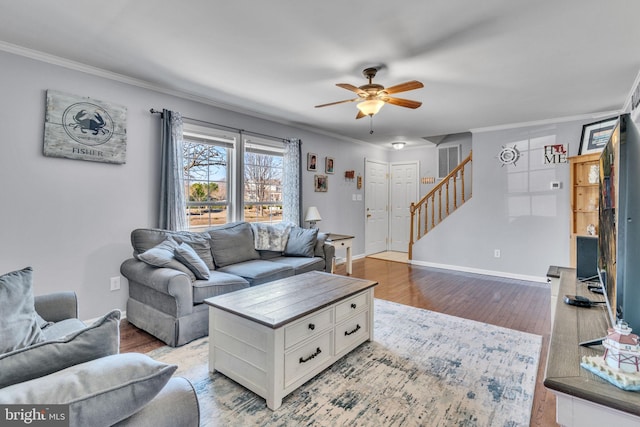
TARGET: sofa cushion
(143,239)
(270,237)
(188,256)
(257,272)
(100,339)
(232,243)
(302,242)
(301,264)
(218,283)
(163,255)
(99,392)
(18,323)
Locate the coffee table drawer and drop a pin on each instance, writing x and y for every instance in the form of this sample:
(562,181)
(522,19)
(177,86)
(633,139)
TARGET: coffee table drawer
(355,329)
(352,306)
(307,357)
(307,327)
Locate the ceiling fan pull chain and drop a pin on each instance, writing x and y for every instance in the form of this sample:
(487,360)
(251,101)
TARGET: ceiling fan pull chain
(371,125)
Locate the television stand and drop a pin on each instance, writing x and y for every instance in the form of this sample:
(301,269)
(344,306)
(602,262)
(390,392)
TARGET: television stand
(582,397)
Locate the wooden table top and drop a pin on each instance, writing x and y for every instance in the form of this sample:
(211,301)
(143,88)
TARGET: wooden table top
(333,237)
(277,303)
(572,326)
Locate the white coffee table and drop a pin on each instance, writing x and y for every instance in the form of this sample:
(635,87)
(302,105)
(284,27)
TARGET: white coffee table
(273,338)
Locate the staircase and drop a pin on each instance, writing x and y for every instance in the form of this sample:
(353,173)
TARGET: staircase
(450,193)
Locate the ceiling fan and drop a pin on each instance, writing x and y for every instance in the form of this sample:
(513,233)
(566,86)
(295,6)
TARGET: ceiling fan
(374,96)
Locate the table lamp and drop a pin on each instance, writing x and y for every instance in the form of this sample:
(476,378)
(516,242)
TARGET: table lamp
(312,216)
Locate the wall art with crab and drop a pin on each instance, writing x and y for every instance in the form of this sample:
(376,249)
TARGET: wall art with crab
(84,129)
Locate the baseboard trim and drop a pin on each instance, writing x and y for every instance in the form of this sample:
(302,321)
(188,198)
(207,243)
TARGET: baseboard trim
(123,315)
(541,279)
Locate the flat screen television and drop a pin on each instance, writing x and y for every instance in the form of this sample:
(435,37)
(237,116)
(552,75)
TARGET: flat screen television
(587,258)
(619,223)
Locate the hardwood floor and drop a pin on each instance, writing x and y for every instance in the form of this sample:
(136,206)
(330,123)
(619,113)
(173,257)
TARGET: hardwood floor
(508,303)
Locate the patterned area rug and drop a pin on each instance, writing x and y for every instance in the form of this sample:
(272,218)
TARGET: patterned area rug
(422,369)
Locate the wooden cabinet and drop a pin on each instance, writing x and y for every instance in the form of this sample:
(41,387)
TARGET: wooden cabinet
(584,174)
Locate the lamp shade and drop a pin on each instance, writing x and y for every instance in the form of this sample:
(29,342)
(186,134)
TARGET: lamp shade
(312,215)
(370,107)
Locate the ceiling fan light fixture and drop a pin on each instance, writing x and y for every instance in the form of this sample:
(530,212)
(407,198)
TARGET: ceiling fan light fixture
(370,106)
(398,145)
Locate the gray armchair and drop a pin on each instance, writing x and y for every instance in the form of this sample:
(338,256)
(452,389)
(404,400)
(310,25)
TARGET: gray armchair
(80,366)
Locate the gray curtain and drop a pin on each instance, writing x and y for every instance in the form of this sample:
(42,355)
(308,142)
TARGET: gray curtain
(172,201)
(292,182)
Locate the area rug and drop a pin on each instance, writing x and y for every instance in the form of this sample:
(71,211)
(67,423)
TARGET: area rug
(422,369)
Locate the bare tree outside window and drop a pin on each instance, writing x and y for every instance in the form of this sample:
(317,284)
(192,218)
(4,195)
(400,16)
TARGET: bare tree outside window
(263,187)
(205,175)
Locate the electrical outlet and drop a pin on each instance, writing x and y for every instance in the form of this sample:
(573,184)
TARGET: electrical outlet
(115,283)
(496,253)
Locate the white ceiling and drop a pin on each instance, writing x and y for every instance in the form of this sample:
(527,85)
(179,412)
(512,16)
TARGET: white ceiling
(483,63)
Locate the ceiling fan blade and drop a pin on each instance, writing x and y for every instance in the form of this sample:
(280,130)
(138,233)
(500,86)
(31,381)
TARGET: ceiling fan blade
(360,115)
(338,102)
(403,87)
(402,102)
(352,88)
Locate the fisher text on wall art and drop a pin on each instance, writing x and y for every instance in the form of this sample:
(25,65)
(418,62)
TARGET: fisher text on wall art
(84,129)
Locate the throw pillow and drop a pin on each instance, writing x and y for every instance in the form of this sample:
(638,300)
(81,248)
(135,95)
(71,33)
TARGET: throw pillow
(232,243)
(100,339)
(102,391)
(270,237)
(302,242)
(18,325)
(162,255)
(143,239)
(188,256)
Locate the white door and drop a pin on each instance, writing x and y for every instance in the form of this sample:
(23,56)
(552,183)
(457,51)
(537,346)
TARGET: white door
(376,197)
(404,191)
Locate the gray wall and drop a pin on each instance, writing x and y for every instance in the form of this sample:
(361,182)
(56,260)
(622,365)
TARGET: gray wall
(512,209)
(71,220)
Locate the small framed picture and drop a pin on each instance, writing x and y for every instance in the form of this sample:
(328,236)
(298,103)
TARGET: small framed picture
(320,183)
(312,161)
(328,165)
(596,135)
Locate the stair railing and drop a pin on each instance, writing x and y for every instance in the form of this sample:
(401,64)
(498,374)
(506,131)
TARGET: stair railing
(432,209)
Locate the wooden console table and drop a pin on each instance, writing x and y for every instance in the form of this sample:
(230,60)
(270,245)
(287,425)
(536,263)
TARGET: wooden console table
(341,241)
(583,399)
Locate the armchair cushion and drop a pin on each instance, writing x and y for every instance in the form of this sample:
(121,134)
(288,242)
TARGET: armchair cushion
(99,392)
(18,324)
(302,242)
(100,339)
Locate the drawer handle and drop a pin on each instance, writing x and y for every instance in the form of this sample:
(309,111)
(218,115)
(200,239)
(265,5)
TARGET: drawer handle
(312,326)
(353,305)
(346,333)
(318,351)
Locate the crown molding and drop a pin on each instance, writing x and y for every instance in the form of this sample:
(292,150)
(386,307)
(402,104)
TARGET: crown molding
(591,116)
(121,78)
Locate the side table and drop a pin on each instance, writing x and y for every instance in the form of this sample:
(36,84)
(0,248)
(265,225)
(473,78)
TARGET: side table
(341,241)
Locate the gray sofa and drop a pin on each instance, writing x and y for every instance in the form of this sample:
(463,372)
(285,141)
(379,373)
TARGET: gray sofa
(168,283)
(53,358)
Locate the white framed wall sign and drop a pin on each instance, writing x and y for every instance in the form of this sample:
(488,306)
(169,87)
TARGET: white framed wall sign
(83,128)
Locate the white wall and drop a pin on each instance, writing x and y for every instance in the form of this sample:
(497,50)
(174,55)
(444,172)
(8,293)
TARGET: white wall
(71,220)
(512,209)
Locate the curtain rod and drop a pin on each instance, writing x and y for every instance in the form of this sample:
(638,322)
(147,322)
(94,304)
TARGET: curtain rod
(242,131)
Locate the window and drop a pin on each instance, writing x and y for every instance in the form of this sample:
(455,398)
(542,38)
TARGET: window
(263,169)
(448,159)
(208,168)
(222,186)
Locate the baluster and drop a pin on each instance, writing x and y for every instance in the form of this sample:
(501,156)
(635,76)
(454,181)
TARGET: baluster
(433,210)
(455,192)
(462,176)
(447,198)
